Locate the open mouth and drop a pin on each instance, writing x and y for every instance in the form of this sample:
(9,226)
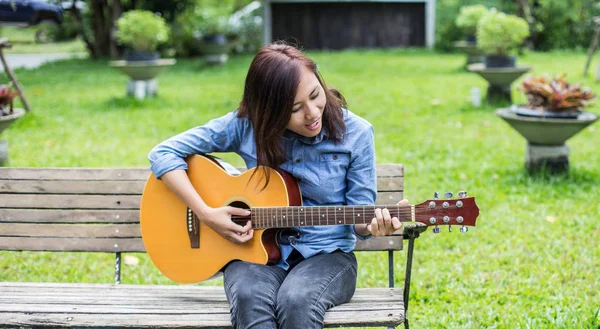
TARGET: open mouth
(315,125)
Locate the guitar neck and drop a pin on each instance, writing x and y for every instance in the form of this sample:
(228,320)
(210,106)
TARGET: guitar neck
(281,217)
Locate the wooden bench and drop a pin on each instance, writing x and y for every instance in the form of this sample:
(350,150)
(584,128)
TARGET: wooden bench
(96,210)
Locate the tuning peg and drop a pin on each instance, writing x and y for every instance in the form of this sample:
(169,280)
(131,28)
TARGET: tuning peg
(448,195)
(436,195)
(464,229)
(449,228)
(436,230)
(462,194)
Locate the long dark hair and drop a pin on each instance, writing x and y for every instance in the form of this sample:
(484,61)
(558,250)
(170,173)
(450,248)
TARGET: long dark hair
(269,93)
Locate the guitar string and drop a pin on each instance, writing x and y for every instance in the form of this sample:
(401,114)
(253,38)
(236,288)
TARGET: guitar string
(261,219)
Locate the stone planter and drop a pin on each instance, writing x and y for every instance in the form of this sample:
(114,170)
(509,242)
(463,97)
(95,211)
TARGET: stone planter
(135,56)
(495,61)
(499,79)
(5,122)
(546,137)
(143,74)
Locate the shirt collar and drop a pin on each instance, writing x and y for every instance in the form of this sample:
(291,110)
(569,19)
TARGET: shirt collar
(290,135)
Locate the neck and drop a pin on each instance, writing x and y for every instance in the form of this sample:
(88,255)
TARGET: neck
(271,217)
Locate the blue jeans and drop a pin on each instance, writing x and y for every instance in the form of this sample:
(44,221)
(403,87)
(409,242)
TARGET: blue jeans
(264,296)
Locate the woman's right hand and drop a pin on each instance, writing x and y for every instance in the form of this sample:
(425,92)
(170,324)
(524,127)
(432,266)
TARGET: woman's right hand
(219,220)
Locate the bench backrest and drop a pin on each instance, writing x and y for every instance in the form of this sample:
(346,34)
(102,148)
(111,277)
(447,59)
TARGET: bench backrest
(97,210)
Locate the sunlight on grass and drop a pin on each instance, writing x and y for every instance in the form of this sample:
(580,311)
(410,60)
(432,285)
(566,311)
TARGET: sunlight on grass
(533,260)
(23,42)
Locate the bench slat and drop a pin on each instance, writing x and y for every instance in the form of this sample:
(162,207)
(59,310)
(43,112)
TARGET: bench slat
(149,306)
(69,216)
(71,230)
(387,184)
(182,321)
(84,297)
(70,201)
(137,245)
(93,174)
(383,170)
(72,244)
(154,290)
(74,201)
(71,187)
(128,306)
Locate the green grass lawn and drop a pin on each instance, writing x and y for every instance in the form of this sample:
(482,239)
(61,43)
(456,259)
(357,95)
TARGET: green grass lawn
(533,261)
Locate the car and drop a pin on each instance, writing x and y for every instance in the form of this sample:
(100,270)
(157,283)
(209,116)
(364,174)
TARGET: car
(24,13)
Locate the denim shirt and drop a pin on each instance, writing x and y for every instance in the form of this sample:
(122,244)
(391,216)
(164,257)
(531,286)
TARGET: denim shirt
(328,173)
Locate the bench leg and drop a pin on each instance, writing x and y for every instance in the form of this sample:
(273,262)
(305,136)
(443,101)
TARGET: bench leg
(118,268)
(411,245)
(391,271)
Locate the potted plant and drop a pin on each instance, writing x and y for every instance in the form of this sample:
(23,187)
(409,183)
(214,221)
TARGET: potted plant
(467,20)
(213,29)
(553,113)
(499,35)
(8,115)
(141,32)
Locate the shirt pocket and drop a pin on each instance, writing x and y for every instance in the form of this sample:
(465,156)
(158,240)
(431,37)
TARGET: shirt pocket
(333,168)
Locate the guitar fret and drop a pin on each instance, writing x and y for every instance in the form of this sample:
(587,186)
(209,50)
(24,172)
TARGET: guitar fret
(364,214)
(257,216)
(335,217)
(304,211)
(319,211)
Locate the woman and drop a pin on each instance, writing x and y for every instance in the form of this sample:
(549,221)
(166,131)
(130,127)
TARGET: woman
(287,119)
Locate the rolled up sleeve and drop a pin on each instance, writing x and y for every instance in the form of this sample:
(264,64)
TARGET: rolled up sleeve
(218,135)
(361,177)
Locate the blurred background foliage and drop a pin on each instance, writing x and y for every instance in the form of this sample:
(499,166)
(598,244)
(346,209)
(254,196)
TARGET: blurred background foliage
(556,24)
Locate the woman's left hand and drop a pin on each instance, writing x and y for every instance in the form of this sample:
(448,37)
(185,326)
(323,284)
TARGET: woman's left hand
(383,223)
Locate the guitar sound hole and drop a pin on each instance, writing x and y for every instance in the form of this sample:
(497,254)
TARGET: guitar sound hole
(240,220)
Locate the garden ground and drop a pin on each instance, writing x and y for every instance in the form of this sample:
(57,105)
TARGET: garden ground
(531,262)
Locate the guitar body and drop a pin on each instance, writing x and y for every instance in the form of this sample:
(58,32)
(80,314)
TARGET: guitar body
(186,250)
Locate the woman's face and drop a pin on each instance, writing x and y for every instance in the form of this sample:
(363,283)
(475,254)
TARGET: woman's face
(307,111)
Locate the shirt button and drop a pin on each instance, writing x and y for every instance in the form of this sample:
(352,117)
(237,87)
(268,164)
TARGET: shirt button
(298,160)
(335,157)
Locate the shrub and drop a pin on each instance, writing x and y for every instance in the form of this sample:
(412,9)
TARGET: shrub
(469,16)
(68,30)
(501,34)
(142,30)
(213,21)
(247,28)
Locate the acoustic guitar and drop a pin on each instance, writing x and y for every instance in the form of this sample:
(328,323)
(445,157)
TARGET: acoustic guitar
(187,251)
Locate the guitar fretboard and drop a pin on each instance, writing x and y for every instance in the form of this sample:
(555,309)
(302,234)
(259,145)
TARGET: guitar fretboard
(280,217)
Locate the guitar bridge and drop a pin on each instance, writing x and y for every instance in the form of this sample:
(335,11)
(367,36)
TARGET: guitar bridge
(193,227)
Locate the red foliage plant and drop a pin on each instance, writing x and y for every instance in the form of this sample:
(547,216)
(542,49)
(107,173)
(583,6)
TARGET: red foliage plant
(556,94)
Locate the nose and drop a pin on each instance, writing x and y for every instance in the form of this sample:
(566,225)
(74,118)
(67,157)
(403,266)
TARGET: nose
(313,112)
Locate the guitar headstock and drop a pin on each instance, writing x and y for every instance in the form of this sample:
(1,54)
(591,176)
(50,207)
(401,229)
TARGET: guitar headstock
(462,211)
